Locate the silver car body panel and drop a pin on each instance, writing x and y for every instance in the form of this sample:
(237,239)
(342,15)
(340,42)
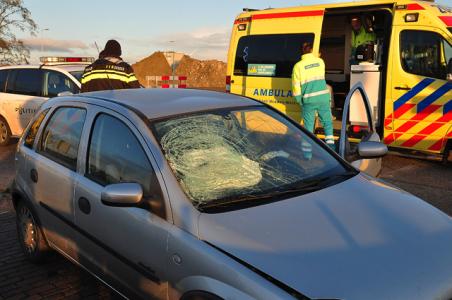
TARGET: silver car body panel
(158,103)
(359,239)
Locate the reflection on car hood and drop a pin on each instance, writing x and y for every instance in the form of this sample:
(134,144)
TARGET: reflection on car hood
(359,239)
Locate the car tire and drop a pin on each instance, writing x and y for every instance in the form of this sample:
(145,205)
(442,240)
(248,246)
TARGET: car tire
(31,238)
(5,133)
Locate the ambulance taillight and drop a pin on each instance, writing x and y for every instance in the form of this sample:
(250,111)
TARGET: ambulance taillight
(228,84)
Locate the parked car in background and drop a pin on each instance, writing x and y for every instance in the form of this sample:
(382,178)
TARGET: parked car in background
(24,88)
(187,194)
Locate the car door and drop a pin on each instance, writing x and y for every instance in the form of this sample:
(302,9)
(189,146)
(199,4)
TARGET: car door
(23,96)
(52,170)
(361,145)
(55,83)
(418,114)
(124,245)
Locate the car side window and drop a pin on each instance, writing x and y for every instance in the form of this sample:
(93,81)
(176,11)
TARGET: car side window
(424,53)
(31,134)
(3,76)
(61,137)
(115,155)
(24,82)
(55,83)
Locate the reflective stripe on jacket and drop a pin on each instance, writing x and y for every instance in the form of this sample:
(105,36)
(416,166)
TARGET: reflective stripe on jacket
(308,79)
(108,73)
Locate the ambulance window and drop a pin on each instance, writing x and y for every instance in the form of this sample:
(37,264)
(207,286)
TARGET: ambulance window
(3,76)
(424,53)
(270,55)
(24,82)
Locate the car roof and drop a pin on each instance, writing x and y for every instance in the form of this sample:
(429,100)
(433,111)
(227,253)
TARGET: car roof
(61,67)
(160,103)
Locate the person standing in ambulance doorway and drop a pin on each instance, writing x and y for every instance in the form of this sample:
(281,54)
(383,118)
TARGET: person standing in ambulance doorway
(310,90)
(360,36)
(109,71)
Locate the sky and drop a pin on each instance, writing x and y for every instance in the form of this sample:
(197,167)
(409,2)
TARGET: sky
(200,28)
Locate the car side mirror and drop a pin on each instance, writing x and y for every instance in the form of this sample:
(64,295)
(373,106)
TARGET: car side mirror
(122,194)
(372,149)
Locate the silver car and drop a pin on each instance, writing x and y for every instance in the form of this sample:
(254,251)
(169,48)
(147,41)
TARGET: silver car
(186,194)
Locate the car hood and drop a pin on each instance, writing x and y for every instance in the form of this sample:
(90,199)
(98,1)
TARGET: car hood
(359,239)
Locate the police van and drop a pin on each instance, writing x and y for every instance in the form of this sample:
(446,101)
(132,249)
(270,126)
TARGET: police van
(24,88)
(406,70)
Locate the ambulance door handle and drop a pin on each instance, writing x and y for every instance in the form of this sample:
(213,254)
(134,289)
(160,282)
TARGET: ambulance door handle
(232,81)
(404,88)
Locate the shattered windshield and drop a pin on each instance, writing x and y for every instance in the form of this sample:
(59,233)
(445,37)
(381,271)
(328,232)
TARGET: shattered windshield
(224,155)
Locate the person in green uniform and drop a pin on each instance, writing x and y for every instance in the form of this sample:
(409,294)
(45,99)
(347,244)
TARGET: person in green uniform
(311,92)
(359,37)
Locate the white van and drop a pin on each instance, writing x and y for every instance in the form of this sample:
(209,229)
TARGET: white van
(24,88)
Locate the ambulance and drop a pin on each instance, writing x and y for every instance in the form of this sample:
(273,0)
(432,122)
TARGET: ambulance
(406,72)
(23,88)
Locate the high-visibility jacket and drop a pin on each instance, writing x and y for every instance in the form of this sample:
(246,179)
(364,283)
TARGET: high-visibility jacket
(362,37)
(308,79)
(108,73)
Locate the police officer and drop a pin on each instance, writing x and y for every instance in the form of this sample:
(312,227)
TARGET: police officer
(311,92)
(109,72)
(360,36)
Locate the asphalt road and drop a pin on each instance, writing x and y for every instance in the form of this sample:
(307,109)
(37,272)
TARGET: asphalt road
(59,279)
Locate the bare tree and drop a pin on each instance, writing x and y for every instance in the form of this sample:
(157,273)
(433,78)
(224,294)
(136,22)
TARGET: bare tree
(14,16)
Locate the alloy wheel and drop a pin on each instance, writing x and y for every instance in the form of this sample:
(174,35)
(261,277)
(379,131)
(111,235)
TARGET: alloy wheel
(3,131)
(27,230)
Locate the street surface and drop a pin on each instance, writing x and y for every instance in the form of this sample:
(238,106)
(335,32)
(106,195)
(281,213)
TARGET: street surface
(59,279)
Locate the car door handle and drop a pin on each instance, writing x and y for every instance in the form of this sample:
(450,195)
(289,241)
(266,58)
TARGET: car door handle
(84,205)
(404,88)
(34,175)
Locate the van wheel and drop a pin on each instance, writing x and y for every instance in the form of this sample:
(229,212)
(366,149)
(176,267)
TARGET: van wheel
(5,133)
(31,239)
(447,155)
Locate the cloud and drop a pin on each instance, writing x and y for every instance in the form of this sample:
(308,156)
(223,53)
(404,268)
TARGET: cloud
(203,43)
(52,45)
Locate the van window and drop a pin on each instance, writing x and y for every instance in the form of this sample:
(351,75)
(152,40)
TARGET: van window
(3,76)
(61,136)
(24,82)
(274,55)
(55,83)
(424,53)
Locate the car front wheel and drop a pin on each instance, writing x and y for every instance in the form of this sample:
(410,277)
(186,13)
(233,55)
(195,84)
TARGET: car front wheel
(31,239)
(5,133)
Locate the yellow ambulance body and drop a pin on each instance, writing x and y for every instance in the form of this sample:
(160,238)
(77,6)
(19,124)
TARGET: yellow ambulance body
(408,78)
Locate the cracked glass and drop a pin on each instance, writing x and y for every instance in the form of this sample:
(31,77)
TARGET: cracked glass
(231,153)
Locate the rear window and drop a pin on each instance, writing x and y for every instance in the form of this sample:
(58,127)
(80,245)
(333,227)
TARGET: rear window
(25,82)
(269,55)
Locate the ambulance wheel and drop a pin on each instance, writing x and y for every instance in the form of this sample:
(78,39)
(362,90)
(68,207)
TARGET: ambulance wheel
(5,133)
(447,155)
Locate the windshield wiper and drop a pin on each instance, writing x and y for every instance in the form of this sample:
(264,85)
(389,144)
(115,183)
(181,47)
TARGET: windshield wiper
(305,187)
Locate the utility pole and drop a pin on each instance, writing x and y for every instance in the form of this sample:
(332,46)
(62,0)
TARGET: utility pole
(42,37)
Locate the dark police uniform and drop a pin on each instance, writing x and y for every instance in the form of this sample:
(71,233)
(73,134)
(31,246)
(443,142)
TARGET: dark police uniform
(108,73)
